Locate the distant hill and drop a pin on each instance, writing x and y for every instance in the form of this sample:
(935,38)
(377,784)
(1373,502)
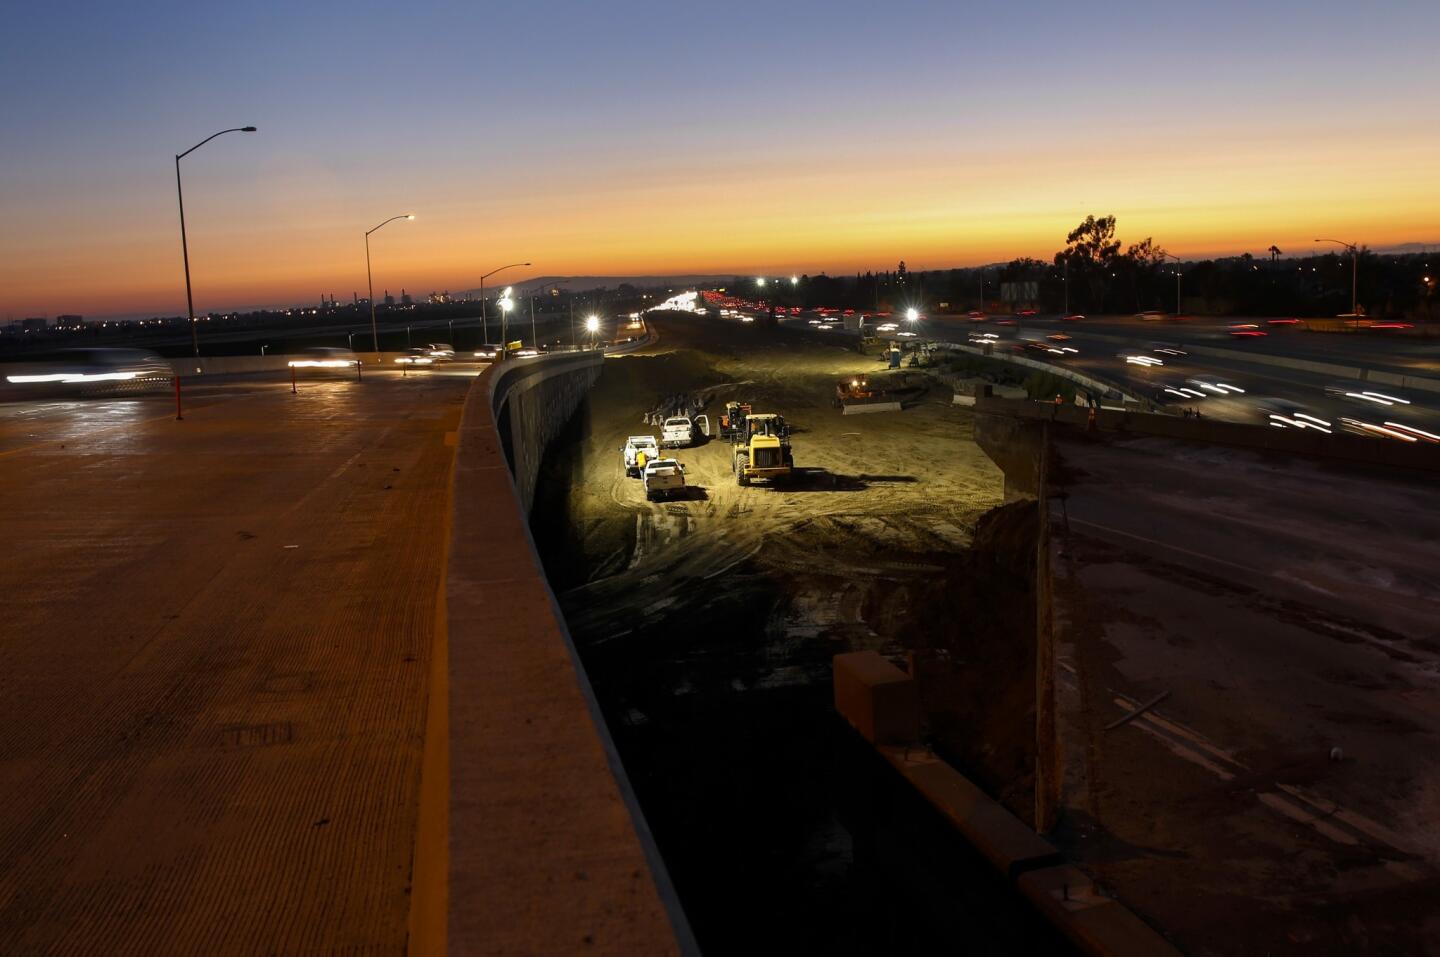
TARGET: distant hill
(584,283)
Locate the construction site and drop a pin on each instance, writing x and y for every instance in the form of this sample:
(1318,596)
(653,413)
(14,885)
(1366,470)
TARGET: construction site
(707,623)
(1057,622)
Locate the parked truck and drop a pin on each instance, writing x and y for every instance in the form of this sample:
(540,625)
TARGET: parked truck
(663,478)
(638,450)
(677,432)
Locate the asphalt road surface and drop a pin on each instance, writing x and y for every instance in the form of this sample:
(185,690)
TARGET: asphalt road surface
(213,664)
(1286,609)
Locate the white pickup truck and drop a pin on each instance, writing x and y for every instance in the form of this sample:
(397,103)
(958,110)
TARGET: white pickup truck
(677,431)
(664,478)
(638,450)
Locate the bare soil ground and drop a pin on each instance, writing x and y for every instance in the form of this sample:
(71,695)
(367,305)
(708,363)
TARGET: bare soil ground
(708,625)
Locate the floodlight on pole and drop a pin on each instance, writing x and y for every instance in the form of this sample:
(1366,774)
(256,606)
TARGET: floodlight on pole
(506,304)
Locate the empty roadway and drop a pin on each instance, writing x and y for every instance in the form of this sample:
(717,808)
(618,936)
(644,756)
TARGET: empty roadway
(213,664)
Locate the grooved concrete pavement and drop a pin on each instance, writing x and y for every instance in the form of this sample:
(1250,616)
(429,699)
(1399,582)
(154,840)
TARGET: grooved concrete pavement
(214,661)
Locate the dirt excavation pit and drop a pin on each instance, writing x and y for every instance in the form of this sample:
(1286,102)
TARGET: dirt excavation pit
(707,625)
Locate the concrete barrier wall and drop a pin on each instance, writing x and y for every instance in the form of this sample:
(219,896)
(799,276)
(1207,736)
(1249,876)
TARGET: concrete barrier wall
(532,401)
(1100,386)
(531,840)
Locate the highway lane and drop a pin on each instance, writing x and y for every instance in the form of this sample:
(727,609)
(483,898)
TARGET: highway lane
(214,662)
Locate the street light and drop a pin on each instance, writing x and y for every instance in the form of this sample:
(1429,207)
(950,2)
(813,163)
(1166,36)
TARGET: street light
(1354,274)
(759,280)
(592,328)
(184,243)
(370,282)
(912,314)
(484,323)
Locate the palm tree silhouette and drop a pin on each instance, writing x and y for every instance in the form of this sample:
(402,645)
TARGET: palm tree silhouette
(1275,253)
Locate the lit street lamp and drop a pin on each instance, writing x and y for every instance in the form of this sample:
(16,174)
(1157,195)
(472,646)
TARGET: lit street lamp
(184,243)
(1354,274)
(370,282)
(592,328)
(484,324)
(912,314)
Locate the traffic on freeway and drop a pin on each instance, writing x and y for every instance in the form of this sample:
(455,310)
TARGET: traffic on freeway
(1274,372)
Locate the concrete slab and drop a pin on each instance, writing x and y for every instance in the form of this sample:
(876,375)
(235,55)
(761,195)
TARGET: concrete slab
(877,698)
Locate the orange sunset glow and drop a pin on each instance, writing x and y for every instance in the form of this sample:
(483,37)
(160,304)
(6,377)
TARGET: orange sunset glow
(627,182)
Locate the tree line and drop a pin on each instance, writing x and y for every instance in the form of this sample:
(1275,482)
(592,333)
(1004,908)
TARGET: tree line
(1097,273)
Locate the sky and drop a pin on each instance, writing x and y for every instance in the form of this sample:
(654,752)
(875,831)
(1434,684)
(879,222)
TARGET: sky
(681,137)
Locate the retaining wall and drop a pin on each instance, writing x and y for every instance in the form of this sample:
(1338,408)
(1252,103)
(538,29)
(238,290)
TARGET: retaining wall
(531,840)
(1100,386)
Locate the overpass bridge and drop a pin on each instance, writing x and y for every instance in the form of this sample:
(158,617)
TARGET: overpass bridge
(286,676)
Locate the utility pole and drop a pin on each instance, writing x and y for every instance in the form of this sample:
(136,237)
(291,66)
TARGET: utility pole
(1354,274)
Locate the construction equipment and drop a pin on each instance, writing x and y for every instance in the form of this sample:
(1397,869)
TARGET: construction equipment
(853,389)
(732,420)
(762,449)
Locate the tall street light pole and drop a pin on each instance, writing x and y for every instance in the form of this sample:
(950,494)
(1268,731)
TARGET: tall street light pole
(370,282)
(1178,310)
(484,322)
(533,334)
(184,243)
(1354,274)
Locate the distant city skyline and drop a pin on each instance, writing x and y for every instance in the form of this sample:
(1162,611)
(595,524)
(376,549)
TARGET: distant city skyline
(644,138)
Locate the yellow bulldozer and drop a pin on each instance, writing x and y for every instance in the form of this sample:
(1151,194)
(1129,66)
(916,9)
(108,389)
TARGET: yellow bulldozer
(762,451)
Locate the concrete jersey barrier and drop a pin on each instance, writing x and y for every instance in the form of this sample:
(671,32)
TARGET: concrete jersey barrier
(531,840)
